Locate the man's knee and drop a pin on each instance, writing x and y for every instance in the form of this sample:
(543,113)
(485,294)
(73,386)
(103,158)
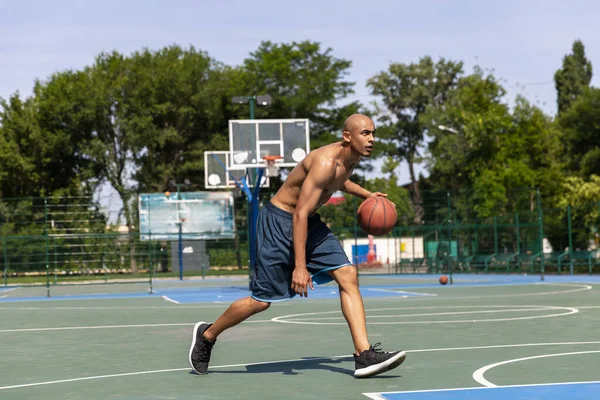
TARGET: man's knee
(259,306)
(346,277)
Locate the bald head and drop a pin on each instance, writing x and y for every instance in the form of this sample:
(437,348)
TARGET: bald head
(358,123)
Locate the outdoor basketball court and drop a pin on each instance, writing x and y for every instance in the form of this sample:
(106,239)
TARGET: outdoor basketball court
(485,337)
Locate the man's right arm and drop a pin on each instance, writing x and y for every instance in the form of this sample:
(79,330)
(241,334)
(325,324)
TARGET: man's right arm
(319,175)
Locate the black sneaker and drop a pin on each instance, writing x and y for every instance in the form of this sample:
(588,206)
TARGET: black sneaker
(200,349)
(375,361)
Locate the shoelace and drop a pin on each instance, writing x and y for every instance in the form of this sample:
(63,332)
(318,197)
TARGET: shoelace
(374,348)
(204,351)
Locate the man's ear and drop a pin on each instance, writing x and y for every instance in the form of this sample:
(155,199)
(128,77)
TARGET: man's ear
(346,136)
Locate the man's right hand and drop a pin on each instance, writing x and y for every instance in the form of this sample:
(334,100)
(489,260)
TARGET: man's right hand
(301,279)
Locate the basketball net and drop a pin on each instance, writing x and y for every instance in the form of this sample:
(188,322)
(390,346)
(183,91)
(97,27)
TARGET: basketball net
(272,168)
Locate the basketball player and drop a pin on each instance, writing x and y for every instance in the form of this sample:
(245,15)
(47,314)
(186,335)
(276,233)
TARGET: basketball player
(296,249)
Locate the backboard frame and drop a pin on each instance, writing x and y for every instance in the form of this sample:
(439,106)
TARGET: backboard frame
(260,151)
(227,170)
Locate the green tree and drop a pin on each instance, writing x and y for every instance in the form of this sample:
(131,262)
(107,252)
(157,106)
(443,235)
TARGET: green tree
(583,196)
(18,125)
(491,151)
(179,102)
(407,91)
(581,126)
(39,156)
(573,78)
(305,80)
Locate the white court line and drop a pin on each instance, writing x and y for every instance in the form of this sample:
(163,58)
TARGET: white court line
(73,328)
(478,375)
(401,292)
(87,378)
(165,307)
(282,361)
(285,319)
(170,299)
(430,314)
(277,319)
(377,396)
(580,288)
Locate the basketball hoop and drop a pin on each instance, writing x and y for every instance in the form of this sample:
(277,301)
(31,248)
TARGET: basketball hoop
(272,168)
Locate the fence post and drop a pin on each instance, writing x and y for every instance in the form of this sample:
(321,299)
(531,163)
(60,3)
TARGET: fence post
(570,240)
(541,223)
(150,263)
(55,260)
(495,235)
(5,261)
(46,249)
(518,235)
(449,258)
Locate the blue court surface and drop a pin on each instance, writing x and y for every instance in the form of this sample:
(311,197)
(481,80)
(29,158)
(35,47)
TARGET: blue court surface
(377,287)
(558,391)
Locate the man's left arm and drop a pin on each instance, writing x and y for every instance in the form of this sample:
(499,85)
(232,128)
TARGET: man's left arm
(358,191)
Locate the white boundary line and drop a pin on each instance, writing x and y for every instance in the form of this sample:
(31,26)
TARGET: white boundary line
(165,307)
(74,328)
(569,310)
(377,395)
(478,375)
(170,299)
(580,288)
(87,378)
(279,319)
(435,314)
(415,294)
(292,360)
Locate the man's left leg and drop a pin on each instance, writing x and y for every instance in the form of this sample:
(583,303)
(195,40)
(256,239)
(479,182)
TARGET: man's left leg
(368,360)
(352,306)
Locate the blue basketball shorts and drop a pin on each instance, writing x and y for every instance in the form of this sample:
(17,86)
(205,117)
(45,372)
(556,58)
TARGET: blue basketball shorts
(275,262)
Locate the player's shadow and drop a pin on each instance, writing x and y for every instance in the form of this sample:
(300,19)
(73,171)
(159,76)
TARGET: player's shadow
(296,367)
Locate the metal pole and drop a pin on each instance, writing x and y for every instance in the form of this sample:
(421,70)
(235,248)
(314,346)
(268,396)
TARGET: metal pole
(47,257)
(55,261)
(541,223)
(252,102)
(150,263)
(495,235)
(518,232)
(251,204)
(253,197)
(449,239)
(180,233)
(5,261)
(570,240)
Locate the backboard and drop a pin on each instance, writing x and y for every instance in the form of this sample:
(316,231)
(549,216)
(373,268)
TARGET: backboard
(251,140)
(203,215)
(216,177)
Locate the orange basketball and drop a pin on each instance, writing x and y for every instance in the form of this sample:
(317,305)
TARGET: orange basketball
(377,216)
(443,279)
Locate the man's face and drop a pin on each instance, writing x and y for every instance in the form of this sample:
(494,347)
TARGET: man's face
(363,137)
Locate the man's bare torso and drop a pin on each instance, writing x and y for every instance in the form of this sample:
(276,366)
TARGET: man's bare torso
(287,196)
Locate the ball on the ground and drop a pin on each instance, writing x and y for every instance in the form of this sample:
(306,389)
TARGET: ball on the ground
(377,216)
(443,279)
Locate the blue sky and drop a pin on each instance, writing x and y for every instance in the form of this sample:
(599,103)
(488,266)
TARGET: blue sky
(522,41)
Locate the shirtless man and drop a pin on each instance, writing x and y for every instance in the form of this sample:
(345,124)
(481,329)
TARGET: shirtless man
(296,249)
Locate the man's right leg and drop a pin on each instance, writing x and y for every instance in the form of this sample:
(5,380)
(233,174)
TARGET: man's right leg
(205,334)
(236,313)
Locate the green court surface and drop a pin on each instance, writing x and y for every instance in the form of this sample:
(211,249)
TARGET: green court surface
(481,332)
